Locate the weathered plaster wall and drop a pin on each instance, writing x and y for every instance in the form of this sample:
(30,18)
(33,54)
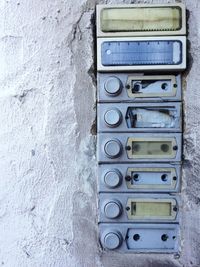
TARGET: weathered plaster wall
(48,214)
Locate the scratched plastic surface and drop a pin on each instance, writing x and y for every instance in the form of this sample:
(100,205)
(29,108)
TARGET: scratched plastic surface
(152,117)
(140,19)
(126,53)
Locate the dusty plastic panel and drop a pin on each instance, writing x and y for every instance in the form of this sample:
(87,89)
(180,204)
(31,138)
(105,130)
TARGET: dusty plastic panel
(141,53)
(141,20)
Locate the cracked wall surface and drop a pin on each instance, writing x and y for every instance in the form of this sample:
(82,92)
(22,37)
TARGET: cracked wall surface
(48,180)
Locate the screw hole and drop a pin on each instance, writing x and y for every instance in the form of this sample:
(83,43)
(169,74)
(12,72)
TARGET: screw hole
(174,178)
(136,177)
(164,237)
(164,86)
(136,237)
(174,237)
(164,177)
(175,85)
(127,208)
(136,88)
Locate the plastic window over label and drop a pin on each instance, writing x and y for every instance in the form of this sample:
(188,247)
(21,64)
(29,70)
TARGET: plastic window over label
(141,53)
(152,117)
(151,86)
(140,19)
(149,148)
(127,53)
(151,209)
(151,178)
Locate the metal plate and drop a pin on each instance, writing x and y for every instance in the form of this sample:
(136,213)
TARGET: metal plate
(140,238)
(143,147)
(123,207)
(113,87)
(144,117)
(140,20)
(144,53)
(139,178)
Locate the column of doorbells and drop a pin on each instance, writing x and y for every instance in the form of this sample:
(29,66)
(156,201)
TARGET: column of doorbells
(141,51)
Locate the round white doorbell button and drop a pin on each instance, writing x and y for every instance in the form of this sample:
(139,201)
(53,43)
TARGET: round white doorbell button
(113,178)
(113,117)
(113,148)
(112,240)
(113,86)
(112,209)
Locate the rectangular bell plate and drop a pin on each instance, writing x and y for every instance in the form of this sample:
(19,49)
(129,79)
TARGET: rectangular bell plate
(115,87)
(139,177)
(142,238)
(141,53)
(139,147)
(140,20)
(144,117)
(138,207)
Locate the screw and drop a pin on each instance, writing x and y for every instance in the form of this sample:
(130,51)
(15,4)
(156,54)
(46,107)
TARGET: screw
(128,178)
(175,209)
(176,256)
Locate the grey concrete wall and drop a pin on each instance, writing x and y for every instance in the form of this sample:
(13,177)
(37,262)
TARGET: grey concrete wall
(48,196)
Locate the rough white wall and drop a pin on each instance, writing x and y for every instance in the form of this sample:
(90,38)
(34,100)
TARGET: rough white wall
(48,214)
